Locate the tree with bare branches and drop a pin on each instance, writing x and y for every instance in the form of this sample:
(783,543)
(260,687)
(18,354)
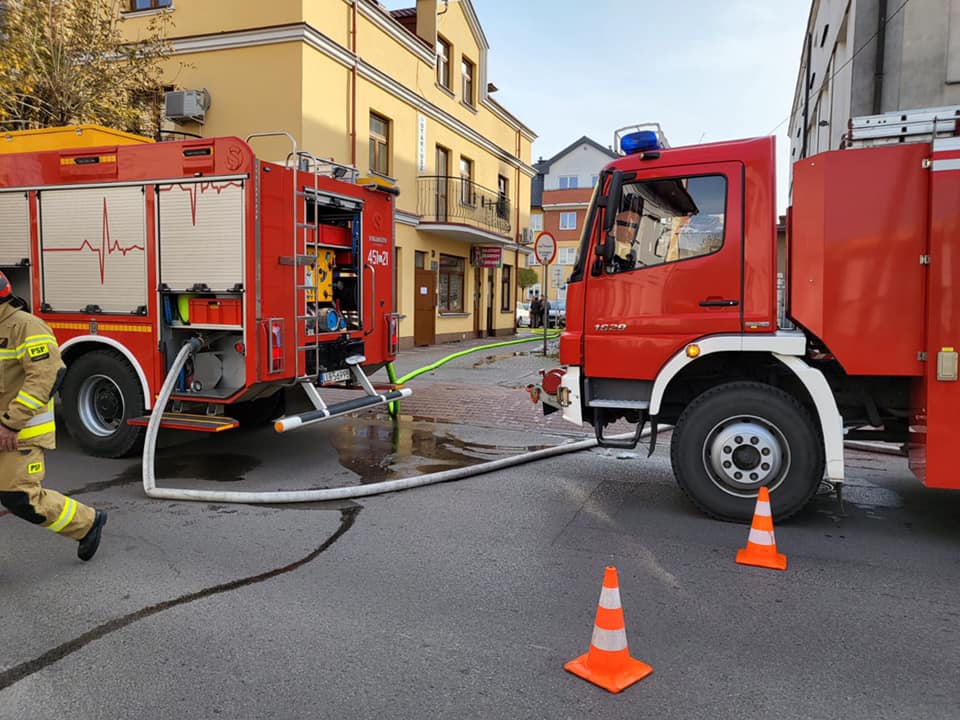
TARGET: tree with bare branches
(66,62)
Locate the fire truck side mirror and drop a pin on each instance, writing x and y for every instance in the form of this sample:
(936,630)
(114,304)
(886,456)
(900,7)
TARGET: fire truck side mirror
(607,245)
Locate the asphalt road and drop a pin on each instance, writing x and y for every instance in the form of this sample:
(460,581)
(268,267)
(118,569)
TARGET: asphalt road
(465,599)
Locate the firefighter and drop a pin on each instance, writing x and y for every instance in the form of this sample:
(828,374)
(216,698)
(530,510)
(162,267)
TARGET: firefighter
(30,372)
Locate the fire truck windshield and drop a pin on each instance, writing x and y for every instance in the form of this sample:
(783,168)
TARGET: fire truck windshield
(667,220)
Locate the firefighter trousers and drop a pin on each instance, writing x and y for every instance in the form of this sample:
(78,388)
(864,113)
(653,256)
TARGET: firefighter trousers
(21,474)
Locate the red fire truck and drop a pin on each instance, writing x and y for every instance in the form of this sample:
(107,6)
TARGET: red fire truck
(282,271)
(672,309)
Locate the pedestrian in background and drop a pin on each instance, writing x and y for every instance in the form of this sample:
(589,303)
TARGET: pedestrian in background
(536,307)
(30,373)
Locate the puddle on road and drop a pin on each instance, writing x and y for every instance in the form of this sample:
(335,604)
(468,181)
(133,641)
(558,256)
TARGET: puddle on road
(215,467)
(389,450)
(375,448)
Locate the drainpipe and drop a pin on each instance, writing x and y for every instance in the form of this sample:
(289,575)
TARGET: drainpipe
(517,235)
(353,87)
(806,96)
(881,51)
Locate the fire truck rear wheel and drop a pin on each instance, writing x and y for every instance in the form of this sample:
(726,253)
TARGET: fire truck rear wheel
(737,437)
(100,393)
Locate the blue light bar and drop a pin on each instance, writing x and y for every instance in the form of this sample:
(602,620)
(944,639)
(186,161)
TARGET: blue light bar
(639,141)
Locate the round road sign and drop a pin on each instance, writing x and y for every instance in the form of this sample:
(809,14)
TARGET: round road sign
(545,248)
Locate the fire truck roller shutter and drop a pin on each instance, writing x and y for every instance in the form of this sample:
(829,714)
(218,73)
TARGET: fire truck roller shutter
(100,393)
(201,234)
(15,222)
(93,249)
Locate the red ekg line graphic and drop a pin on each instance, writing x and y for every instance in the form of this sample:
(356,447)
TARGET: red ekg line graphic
(107,246)
(195,189)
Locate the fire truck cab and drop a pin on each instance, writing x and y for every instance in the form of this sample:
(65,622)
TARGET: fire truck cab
(281,272)
(674,316)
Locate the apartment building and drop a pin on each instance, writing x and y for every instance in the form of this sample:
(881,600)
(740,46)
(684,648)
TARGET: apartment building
(866,57)
(560,196)
(400,94)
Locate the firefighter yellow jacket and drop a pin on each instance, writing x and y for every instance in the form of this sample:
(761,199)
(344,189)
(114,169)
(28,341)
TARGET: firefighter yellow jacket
(29,365)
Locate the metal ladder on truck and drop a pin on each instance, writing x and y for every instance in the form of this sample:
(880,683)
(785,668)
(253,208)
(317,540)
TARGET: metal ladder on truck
(306,311)
(902,126)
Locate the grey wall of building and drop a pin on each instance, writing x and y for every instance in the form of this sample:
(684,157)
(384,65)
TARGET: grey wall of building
(920,68)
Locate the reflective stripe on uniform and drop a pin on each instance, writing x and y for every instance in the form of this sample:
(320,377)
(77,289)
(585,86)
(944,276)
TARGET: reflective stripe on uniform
(35,339)
(66,515)
(18,352)
(39,424)
(28,400)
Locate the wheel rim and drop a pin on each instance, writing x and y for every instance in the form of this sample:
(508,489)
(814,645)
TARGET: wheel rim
(100,405)
(745,452)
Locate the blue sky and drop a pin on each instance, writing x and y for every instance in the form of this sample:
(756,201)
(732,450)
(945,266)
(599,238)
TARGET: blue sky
(706,70)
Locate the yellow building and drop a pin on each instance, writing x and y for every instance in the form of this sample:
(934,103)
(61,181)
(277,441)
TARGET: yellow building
(402,94)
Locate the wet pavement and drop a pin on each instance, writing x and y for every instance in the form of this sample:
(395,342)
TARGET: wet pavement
(463,600)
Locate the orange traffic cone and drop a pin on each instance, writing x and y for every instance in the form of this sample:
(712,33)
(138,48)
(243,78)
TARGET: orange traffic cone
(761,549)
(608,663)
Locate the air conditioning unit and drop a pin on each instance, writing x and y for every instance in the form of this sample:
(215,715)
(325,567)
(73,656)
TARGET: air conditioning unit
(180,105)
(527,236)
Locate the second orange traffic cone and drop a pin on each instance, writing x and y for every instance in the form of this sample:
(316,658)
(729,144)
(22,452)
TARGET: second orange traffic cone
(761,549)
(608,663)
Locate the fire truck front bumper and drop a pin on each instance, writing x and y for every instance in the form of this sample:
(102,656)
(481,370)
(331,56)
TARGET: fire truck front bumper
(559,389)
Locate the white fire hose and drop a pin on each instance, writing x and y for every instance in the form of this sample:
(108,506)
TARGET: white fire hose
(322,494)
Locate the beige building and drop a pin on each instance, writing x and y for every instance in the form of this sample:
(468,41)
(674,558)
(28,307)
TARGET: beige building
(400,94)
(866,57)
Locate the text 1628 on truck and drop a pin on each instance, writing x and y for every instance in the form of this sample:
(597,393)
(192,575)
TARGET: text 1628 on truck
(280,273)
(672,309)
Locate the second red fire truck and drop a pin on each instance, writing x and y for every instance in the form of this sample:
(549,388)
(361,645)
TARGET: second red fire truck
(672,309)
(282,271)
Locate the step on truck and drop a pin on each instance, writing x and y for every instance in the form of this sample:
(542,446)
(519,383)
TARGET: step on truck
(281,273)
(683,311)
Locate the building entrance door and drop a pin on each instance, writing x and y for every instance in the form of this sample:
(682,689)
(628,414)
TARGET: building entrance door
(424,303)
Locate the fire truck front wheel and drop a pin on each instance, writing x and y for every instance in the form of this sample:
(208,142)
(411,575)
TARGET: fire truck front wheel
(99,394)
(737,437)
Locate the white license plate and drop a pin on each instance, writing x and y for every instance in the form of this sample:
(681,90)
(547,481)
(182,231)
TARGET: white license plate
(334,376)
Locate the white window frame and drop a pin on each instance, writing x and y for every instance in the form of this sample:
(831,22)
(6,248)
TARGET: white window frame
(565,221)
(536,222)
(566,255)
(569,182)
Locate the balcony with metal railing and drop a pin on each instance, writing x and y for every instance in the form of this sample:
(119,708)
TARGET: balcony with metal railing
(462,208)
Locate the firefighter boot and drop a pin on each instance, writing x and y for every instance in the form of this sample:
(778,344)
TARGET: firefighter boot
(91,541)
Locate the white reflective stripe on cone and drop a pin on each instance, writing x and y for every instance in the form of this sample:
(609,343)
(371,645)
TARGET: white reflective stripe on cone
(610,598)
(761,537)
(609,640)
(763,508)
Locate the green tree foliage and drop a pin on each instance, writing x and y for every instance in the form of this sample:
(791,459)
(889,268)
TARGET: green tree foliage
(527,277)
(65,62)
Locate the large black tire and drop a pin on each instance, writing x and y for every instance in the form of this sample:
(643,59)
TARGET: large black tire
(100,393)
(737,437)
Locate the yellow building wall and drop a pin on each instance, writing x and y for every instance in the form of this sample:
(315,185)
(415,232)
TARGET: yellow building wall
(201,17)
(299,88)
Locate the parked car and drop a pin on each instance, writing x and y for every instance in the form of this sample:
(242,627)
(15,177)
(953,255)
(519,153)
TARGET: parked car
(523,314)
(558,313)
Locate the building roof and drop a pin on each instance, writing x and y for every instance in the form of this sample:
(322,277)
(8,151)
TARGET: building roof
(544,165)
(407,18)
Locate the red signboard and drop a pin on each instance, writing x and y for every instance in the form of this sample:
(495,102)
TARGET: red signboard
(487,257)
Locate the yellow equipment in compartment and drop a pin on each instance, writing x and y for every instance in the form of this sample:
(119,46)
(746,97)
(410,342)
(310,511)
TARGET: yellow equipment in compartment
(320,276)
